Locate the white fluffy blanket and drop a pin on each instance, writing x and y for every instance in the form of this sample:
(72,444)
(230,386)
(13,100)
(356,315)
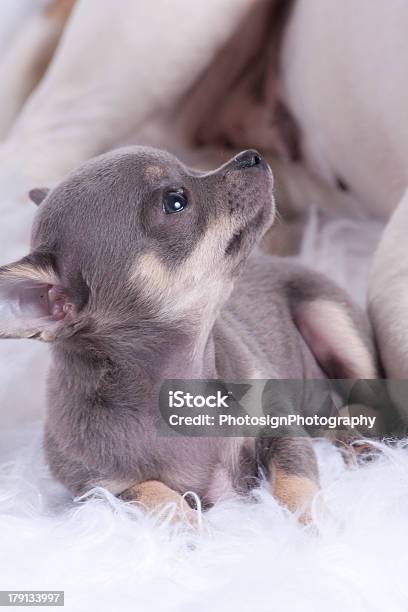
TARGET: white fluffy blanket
(107,555)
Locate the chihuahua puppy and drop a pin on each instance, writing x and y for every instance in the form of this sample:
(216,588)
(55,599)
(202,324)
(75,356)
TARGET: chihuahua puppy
(141,270)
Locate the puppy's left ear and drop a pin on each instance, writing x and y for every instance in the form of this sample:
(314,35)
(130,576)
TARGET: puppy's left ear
(33,304)
(38,195)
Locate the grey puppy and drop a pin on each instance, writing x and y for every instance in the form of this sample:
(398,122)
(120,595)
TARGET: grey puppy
(139,272)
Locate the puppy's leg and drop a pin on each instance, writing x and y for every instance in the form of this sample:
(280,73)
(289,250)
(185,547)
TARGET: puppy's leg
(26,59)
(291,466)
(335,329)
(153,495)
(340,339)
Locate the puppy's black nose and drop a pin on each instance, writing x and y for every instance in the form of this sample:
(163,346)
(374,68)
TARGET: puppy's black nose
(248,159)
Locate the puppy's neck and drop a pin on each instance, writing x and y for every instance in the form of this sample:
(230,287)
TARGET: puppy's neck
(145,355)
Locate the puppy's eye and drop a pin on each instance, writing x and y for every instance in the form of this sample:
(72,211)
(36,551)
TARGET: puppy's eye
(174,202)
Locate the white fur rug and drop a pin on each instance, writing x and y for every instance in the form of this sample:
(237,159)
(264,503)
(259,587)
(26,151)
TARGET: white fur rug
(107,555)
(247,556)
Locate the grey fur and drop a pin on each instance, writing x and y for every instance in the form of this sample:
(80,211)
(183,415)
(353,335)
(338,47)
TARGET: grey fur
(119,337)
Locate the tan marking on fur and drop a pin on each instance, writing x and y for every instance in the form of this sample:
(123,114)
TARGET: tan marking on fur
(330,315)
(294,492)
(196,287)
(59,9)
(150,269)
(25,271)
(153,495)
(193,283)
(152,173)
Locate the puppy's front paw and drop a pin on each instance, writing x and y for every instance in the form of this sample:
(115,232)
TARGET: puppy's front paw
(154,495)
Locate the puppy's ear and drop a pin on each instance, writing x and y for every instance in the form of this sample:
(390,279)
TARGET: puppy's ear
(32,302)
(338,336)
(38,195)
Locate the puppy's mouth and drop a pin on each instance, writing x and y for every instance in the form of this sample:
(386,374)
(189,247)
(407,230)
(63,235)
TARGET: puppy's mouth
(240,236)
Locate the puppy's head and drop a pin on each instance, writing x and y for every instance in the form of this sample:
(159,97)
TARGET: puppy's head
(135,234)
